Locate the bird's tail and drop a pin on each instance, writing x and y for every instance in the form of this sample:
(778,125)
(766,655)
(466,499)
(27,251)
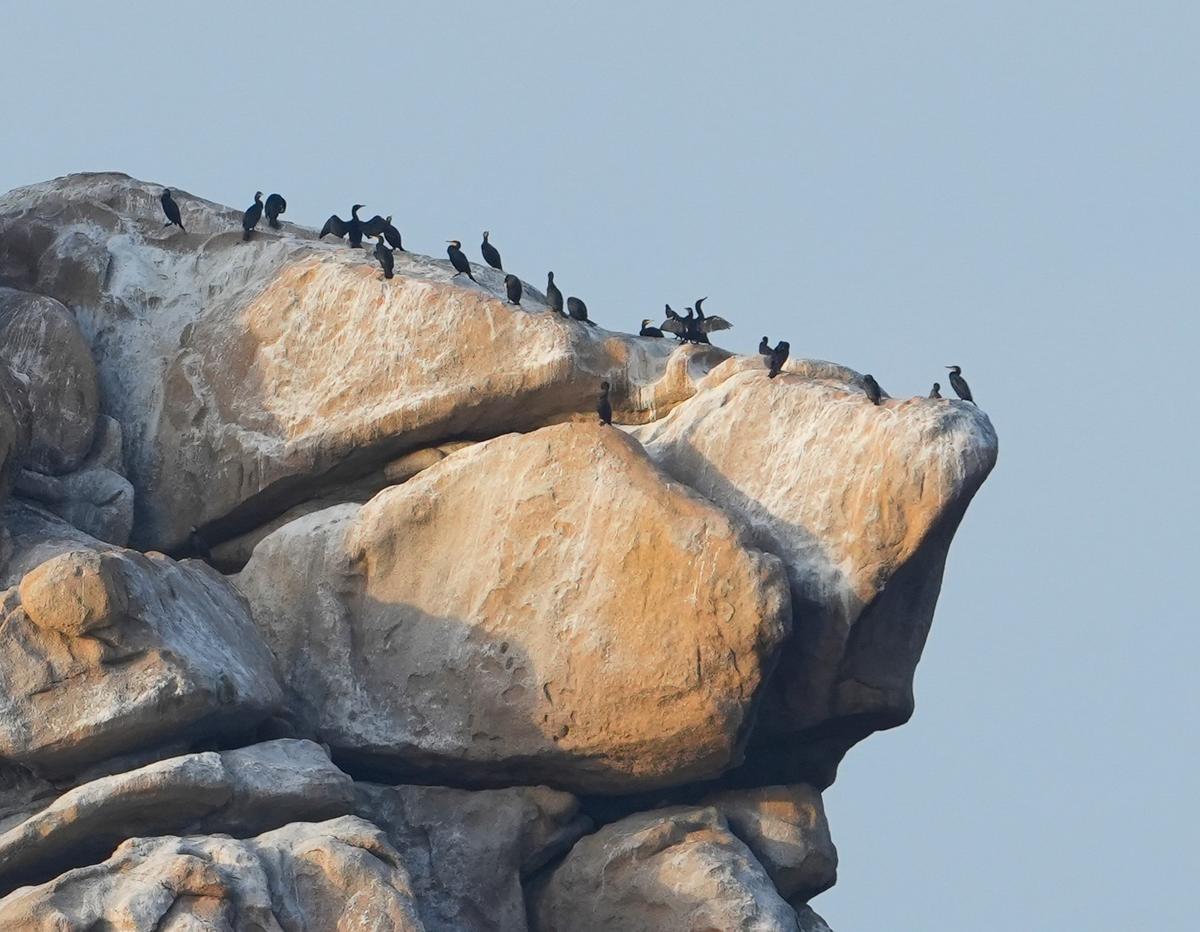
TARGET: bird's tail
(245,236)
(388,274)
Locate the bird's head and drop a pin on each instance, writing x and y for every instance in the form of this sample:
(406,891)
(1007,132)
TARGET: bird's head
(485,235)
(388,219)
(455,243)
(645,321)
(356,208)
(937,386)
(166,192)
(550,276)
(955,370)
(258,195)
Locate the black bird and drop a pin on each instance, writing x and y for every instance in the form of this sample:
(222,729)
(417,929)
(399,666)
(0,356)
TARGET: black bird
(386,260)
(339,227)
(458,259)
(936,391)
(577,310)
(779,356)
(276,205)
(512,285)
(491,255)
(554,298)
(959,384)
(710,324)
(874,392)
(198,544)
(252,215)
(391,234)
(668,324)
(649,331)
(764,347)
(696,327)
(604,406)
(171,209)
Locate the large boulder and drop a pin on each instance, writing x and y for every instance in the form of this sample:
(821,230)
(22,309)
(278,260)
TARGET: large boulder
(305,877)
(243,394)
(467,851)
(95,500)
(537,608)
(786,828)
(40,341)
(861,502)
(241,793)
(14,427)
(105,653)
(679,869)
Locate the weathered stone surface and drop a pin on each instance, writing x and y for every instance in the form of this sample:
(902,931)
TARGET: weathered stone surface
(121,650)
(679,869)
(36,535)
(540,607)
(786,828)
(306,877)
(40,341)
(861,503)
(243,395)
(467,851)
(96,500)
(240,793)
(809,921)
(14,427)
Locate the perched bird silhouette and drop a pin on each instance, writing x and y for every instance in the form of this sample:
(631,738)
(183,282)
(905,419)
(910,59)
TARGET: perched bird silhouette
(648,330)
(512,285)
(764,347)
(491,255)
(554,297)
(696,326)
(936,391)
(199,545)
(171,209)
(276,205)
(604,406)
(577,310)
(391,234)
(669,324)
(959,384)
(458,259)
(339,227)
(387,261)
(252,215)
(871,387)
(779,356)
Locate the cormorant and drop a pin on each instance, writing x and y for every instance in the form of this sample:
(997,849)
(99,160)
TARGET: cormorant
(706,325)
(577,310)
(669,322)
(959,384)
(276,205)
(339,227)
(936,391)
(649,331)
(696,326)
(171,209)
(512,285)
(491,255)
(391,234)
(252,215)
(779,356)
(554,298)
(764,347)
(198,544)
(604,406)
(386,260)
(458,259)
(874,392)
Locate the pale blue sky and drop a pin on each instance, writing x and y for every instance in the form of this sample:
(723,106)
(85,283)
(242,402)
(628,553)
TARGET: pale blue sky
(1008,186)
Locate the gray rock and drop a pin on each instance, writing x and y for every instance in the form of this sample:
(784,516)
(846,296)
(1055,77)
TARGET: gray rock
(101,654)
(677,869)
(95,499)
(304,877)
(40,340)
(14,427)
(467,851)
(786,828)
(240,793)
(809,921)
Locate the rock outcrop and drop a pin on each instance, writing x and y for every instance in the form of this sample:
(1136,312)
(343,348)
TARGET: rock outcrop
(669,869)
(241,793)
(309,877)
(606,631)
(484,664)
(860,501)
(104,653)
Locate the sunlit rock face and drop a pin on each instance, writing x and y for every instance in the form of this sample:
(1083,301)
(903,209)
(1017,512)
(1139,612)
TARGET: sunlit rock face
(480,663)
